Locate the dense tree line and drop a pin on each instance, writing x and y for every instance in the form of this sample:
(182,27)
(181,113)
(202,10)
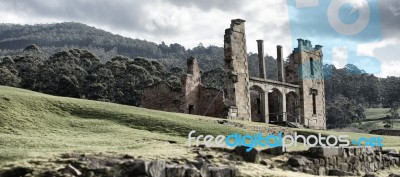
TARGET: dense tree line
(80,74)
(349,91)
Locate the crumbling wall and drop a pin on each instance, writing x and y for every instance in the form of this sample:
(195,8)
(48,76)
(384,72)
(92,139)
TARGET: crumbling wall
(191,88)
(161,97)
(192,98)
(211,102)
(236,64)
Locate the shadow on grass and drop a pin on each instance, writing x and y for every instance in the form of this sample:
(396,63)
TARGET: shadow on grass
(154,123)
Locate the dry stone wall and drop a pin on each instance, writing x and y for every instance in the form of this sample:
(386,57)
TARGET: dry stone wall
(344,161)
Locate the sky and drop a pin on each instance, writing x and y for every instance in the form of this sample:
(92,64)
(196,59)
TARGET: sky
(375,49)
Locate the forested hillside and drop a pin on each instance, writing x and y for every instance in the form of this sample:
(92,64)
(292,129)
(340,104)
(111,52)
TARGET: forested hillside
(64,36)
(75,60)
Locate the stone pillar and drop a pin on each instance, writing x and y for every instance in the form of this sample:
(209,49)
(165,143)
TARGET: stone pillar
(265,106)
(281,75)
(283,107)
(261,61)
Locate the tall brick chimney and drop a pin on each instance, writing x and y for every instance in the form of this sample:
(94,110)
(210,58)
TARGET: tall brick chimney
(260,44)
(279,59)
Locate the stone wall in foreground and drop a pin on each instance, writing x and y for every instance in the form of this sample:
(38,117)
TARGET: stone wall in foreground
(343,161)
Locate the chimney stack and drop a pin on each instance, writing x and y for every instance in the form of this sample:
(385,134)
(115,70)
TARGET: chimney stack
(281,76)
(260,44)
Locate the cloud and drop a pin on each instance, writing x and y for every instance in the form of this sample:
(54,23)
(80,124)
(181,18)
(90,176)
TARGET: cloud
(207,5)
(390,15)
(339,57)
(127,15)
(190,22)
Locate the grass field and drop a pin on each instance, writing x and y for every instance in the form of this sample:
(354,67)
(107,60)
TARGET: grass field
(35,125)
(375,118)
(376,113)
(38,125)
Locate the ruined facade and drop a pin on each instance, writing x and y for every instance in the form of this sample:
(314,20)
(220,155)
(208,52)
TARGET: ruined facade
(297,97)
(192,98)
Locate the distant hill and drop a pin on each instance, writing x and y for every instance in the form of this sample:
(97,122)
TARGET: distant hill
(15,37)
(52,38)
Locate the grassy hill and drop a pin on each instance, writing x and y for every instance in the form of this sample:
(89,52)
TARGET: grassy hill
(375,119)
(35,125)
(38,125)
(376,113)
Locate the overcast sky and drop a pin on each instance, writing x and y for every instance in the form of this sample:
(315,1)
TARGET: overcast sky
(190,22)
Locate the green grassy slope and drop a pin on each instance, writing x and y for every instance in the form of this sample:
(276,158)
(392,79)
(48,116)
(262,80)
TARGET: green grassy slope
(375,118)
(38,125)
(34,124)
(376,113)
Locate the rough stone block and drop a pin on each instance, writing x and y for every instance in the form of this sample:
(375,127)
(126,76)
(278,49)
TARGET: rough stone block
(357,167)
(394,175)
(321,171)
(223,171)
(192,172)
(335,172)
(172,170)
(371,150)
(274,151)
(308,170)
(252,156)
(372,166)
(136,168)
(316,163)
(370,175)
(354,159)
(298,160)
(322,162)
(325,151)
(344,167)
(156,168)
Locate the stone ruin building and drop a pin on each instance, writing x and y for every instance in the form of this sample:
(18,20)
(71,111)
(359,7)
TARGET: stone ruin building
(192,98)
(297,98)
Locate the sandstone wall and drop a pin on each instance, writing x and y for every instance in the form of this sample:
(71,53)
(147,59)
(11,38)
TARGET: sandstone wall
(191,88)
(305,69)
(344,161)
(211,102)
(236,64)
(161,97)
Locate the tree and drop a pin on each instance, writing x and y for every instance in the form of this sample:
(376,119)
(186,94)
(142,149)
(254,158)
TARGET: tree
(390,91)
(341,112)
(8,78)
